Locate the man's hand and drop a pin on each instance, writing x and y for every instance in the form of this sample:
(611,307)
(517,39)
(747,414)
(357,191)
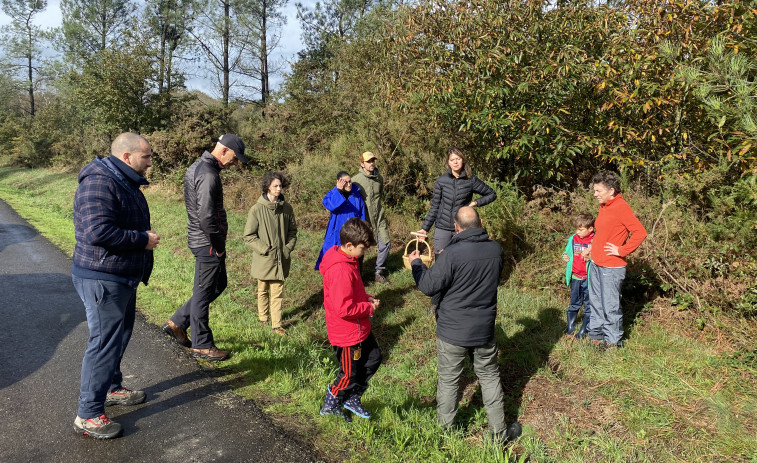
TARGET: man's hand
(422,234)
(414,255)
(565,257)
(152,240)
(220,254)
(374,302)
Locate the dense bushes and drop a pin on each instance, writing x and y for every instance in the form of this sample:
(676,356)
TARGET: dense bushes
(539,94)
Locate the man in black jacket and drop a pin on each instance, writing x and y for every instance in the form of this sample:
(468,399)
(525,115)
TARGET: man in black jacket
(206,236)
(466,274)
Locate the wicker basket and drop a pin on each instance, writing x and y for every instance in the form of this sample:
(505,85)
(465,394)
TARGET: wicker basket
(427,258)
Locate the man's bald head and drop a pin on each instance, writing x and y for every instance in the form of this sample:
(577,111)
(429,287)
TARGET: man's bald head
(466,218)
(133,150)
(128,142)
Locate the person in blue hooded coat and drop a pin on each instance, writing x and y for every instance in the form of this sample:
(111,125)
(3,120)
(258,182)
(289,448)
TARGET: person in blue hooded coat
(344,202)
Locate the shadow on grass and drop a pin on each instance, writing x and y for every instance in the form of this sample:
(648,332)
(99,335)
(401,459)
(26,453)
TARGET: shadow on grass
(521,357)
(640,288)
(312,306)
(387,334)
(524,353)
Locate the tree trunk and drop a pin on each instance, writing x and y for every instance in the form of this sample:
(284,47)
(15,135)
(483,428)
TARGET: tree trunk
(226,39)
(264,89)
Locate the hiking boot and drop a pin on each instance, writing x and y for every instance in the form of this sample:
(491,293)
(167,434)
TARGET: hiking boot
(354,405)
(379,278)
(179,335)
(333,406)
(510,434)
(280,331)
(213,353)
(432,310)
(99,428)
(123,396)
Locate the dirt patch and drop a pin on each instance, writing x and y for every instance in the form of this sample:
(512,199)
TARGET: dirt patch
(547,405)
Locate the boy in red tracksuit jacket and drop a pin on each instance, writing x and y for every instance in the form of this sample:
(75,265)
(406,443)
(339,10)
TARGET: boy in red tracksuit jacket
(348,320)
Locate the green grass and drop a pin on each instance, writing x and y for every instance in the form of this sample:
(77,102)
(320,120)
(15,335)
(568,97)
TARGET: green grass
(671,395)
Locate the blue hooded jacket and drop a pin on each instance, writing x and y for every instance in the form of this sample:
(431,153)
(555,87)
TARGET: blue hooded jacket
(342,209)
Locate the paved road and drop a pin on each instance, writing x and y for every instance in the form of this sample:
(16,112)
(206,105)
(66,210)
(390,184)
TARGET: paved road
(188,416)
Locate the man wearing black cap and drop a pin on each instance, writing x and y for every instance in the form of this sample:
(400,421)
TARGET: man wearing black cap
(206,236)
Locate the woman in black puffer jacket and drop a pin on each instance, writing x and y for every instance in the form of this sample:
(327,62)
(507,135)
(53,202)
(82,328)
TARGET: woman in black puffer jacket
(452,191)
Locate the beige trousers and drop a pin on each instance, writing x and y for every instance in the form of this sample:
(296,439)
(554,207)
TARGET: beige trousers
(270,297)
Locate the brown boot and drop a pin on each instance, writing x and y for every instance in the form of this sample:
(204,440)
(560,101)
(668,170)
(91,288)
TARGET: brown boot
(215,354)
(178,334)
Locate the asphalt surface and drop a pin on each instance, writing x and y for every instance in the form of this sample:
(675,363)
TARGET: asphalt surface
(188,417)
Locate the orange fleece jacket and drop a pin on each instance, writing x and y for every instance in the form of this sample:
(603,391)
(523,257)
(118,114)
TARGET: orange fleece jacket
(614,222)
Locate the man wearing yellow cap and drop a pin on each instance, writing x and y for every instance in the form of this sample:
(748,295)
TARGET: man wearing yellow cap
(372,189)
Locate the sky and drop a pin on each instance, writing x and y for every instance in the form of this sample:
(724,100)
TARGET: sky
(289,44)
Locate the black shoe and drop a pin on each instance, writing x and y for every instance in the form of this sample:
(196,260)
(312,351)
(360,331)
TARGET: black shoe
(512,433)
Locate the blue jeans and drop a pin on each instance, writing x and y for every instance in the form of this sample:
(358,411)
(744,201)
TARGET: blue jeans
(604,298)
(383,254)
(110,307)
(579,296)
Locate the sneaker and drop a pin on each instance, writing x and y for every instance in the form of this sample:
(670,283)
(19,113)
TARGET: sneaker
(215,354)
(99,428)
(123,396)
(280,331)
(603,345)
(379,278)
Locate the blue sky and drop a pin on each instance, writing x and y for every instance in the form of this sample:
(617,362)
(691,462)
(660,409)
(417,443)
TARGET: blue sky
(289,45)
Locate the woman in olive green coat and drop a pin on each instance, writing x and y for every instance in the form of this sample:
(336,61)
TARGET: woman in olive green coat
(271,232)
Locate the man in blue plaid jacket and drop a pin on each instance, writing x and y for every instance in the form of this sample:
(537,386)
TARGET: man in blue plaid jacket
(113,253)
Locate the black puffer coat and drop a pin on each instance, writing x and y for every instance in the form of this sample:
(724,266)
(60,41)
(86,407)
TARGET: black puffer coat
(450,194)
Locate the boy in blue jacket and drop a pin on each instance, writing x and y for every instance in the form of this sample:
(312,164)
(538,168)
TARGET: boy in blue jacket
(577,272)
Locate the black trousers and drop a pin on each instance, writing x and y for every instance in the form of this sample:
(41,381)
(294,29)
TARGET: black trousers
(357,364)
(209,282)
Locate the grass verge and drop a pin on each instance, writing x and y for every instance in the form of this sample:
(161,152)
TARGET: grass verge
(673,394)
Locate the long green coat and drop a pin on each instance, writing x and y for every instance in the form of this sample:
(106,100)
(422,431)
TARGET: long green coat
(271,232)
(372,190)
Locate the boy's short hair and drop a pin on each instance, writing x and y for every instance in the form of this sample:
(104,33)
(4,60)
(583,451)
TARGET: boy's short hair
(583,219)
(357,232)
(608,179)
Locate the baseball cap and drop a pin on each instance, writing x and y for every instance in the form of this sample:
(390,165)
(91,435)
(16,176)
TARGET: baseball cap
(367,156)
(234,143)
